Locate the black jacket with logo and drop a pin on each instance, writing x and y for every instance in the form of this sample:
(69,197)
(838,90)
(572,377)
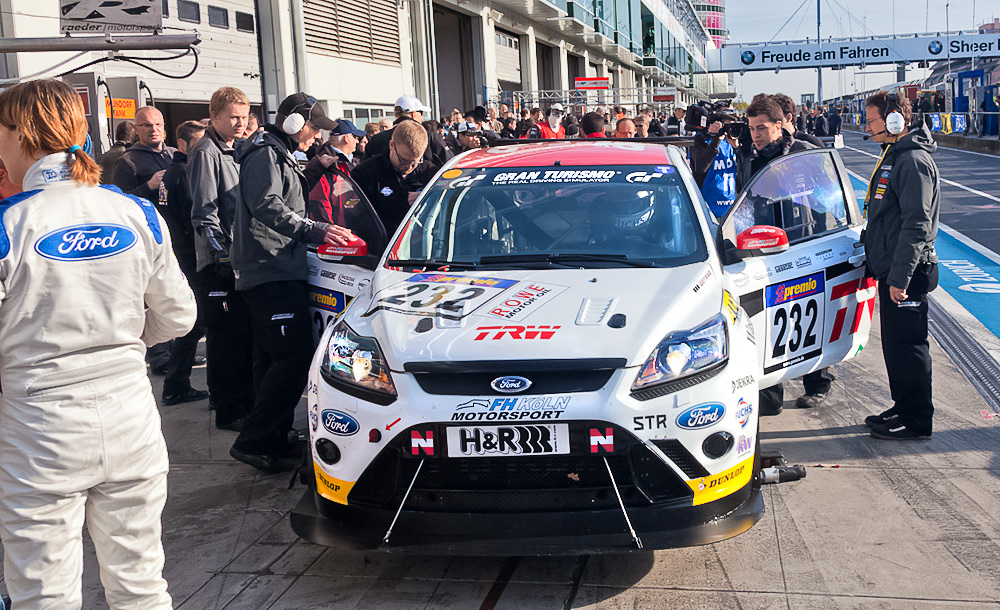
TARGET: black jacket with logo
(903,201)
(749,160)
(385,189)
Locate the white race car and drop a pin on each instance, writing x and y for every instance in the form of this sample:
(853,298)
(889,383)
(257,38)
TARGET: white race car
(561,350)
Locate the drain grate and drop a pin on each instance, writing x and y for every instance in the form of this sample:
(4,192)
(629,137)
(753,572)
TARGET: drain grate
(974,362)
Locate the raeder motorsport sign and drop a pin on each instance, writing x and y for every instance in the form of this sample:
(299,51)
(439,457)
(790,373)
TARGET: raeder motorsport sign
(114,16)
(851,52)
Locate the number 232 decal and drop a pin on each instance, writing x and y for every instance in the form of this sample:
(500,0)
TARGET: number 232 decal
(795,321)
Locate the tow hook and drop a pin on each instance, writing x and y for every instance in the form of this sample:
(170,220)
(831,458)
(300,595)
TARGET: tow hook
(774,470)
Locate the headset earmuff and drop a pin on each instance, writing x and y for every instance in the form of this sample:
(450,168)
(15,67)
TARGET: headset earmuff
(293,123)
(894,121)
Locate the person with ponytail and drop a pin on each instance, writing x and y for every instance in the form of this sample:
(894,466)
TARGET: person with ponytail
(87,281)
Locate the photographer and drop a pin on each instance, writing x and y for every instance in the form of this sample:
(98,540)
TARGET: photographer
(468,136)
(713,159)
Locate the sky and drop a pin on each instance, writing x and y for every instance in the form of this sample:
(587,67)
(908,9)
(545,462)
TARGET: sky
(756,21)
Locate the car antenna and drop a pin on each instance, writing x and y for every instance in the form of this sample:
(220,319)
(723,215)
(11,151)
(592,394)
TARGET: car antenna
(631,530)
(407,495)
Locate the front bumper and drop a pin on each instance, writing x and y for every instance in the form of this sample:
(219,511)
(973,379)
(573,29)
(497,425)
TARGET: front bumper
(541,533)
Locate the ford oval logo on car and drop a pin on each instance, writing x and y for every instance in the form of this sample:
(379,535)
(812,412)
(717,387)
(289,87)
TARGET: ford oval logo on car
(701,416)
(510,384)
(339,423)
(85,242)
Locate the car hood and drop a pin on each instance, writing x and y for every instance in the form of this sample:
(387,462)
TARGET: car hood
(534,314)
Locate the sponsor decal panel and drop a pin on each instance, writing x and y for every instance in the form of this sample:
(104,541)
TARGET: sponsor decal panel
(422,442)
(701,416)
(440,294)
(339,423)
(794,289)
(742,382)
(331,488)
(783,267)
(702,281)
(713,487)
(602,440)
(516,304)
(743,412)
(542,176)
(495,333)
(744,444)
(321,298)
(489,441)
(512,409)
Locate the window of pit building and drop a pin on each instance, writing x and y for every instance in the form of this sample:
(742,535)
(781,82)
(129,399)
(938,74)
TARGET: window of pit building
(166,8)
(218,17)
(244,22)
(188,11)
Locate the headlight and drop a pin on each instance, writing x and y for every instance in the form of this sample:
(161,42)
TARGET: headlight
(685,353)
(357,361)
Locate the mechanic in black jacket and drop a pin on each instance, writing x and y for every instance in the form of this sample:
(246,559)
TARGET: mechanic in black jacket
(770,141)
(902,207)
(270,238)
(175,207)
(383,177)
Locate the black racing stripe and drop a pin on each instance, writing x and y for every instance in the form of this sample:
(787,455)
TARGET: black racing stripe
(838,270)
(753,302)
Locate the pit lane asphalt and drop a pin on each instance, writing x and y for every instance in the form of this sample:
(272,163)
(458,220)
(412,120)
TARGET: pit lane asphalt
(881,524)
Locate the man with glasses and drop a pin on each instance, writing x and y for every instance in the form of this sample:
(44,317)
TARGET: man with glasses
(140,169)
(551,128)
(382,178)
(270,237)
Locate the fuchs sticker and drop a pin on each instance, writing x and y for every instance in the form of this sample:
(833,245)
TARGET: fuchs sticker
(743,412)
(340,423)
(85,242)
(701,416)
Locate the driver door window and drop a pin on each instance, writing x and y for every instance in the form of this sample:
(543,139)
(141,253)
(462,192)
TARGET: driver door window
(802,194)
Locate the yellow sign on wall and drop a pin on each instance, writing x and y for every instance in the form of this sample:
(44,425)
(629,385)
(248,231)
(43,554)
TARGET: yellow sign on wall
(123,108)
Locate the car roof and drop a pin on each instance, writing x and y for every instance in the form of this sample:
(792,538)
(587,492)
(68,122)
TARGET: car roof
(563,153)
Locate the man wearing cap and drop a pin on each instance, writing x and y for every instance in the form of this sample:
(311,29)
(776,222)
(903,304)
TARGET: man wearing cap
(469,137)
(436,154)
(551,128)
(332,166)
(270,236)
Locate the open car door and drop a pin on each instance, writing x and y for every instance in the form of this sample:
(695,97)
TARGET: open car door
(791,251)
(339,273)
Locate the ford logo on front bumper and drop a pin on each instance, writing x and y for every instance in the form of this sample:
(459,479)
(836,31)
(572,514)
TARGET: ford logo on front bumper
(510,384)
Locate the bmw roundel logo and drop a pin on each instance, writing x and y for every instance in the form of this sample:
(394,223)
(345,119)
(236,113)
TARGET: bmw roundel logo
(748,57)
(935,47)
(510,384)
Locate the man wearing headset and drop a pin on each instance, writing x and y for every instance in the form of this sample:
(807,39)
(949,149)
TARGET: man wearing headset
(902,206)
(270,235)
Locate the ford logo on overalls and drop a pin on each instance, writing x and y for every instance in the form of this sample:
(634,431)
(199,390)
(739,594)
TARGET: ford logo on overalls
(701,416)
(339,423)
(85,242)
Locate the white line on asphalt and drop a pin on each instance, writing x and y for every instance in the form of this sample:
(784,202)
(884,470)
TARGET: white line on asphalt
(948,148)
(978,247)
(946,181)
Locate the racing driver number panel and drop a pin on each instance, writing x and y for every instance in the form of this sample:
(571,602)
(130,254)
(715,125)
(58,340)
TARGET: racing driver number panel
(795,319)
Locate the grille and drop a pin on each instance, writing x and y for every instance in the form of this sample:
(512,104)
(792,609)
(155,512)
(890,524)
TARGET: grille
(547,376)
(680,456)
(521,484)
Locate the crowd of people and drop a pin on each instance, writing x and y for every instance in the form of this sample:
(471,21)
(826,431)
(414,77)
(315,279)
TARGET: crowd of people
(241,203)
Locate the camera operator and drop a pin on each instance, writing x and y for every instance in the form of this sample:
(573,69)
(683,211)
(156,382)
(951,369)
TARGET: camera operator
(713,158)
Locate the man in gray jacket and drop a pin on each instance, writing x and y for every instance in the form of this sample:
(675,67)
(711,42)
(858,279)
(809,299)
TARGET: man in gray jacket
(902,207)
(214,176)
(269,258)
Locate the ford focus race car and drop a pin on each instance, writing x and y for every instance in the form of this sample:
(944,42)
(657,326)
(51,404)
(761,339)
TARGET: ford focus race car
(561,349)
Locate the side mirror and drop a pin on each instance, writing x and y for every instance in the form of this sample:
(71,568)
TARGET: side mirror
(760,240)
(357,247)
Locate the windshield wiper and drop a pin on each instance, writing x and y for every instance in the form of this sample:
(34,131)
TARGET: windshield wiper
(424,263)
(567,259)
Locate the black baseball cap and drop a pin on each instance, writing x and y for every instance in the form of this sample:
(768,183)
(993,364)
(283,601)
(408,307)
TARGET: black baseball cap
(308,107)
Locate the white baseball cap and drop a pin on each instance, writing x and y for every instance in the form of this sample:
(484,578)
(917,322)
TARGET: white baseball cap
(408,103)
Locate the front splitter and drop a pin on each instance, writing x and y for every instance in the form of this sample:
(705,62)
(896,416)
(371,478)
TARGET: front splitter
(552,533)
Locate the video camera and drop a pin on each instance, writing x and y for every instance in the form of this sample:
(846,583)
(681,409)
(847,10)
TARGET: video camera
(702,114)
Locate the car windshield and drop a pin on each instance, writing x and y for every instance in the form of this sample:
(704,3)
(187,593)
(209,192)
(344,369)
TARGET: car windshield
(517,218)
